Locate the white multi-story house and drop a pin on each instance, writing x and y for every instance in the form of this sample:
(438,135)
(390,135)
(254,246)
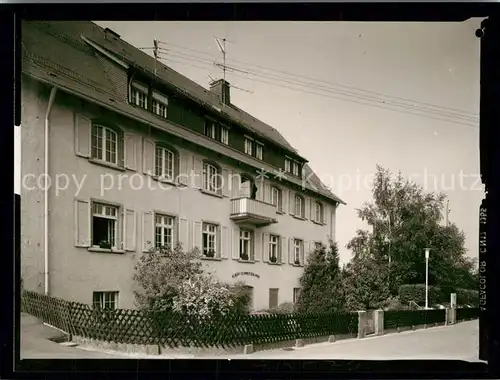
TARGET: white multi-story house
(140,156)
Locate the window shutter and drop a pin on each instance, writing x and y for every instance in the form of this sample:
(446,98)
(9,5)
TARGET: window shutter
(307,207)
(236,244)
(183,178)
(235,185)
(183,234)
(83,134)
(129,230)
(265,247)
(291,258)
(130,151)
(224,243)
(291,202)
(283,250)
(197,236)
(284,200)
(82,223)
(197,180)
(333,224)
(257,245)
(148,154)
(267,192)
(226,187)
(312,210)
(147,231)
(121,149)
(259,183)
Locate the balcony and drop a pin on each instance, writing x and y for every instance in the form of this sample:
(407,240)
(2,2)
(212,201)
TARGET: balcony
(253,212)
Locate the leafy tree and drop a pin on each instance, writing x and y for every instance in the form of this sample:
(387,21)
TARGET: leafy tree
(321,282)
(404,220)
(365,283)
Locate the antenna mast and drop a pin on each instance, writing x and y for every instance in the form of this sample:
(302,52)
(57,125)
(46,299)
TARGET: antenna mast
(155,51)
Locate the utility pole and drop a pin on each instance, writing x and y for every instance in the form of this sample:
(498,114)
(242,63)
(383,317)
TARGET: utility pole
(427,278)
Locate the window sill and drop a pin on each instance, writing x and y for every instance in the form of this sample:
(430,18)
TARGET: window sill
(280,212)
(106,164)
(277,263)
(104,250)
(318,223)
(164,180)
(246,261)
(297,265)
(211,194)
(211,258)
(299,217)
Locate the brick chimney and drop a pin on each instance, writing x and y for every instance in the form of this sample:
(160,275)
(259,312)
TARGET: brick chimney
(220,87)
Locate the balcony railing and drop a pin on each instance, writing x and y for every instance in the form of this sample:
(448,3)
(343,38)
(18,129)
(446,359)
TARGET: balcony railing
(252,211)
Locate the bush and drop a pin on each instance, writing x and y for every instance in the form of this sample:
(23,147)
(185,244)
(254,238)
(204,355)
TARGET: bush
(416,293)
(241,298)
(467,297)
(283,308)
(393,303)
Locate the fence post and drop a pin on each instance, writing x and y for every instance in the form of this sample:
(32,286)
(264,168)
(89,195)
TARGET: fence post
(362,320)
(378,321)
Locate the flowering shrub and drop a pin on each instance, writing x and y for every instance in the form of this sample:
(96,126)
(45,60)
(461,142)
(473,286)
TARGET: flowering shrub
(160,272)
(203,296)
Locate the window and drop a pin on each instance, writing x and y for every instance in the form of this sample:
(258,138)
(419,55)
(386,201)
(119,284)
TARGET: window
(274,249)
(248,146)
(298,246)
(224,135)
(104,225)
(299,206)
(296,295)
(210,129)
(139,96)
(159,109)
(273,298)
(296,169)
(288,164)
(276,198)
(209,239)
(245,244)
(164,231)
(318,212)
(105,300)
(258,150)
(160,104)
(104,144)
(164,167)
(211,178)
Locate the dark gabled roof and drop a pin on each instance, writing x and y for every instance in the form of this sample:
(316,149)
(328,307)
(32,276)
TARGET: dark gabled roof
(58,48)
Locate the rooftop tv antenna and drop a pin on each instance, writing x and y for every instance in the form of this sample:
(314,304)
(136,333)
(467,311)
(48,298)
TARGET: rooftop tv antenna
(221,43)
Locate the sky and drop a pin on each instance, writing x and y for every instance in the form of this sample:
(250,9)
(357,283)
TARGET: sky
(326,87)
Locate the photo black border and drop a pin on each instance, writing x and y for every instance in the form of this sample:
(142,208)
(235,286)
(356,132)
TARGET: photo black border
(10,16)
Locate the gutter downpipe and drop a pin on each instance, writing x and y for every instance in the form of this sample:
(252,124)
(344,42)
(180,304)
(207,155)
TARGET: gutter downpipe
(46,190)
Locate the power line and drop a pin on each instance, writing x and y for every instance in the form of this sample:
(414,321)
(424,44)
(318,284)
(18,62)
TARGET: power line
(333,84)
(385,106)
(328,89)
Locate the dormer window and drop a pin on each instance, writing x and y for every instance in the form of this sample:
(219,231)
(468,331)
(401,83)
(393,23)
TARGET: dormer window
(288,165)
(224,135)
(295,168)
(139,95)
(160,104)
(210,130)
(248,146)
(259,148)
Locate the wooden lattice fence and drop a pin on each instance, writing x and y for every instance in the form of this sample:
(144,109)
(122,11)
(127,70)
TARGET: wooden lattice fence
(173,330)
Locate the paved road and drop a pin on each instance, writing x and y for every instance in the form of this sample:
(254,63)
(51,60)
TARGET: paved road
(459,342)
